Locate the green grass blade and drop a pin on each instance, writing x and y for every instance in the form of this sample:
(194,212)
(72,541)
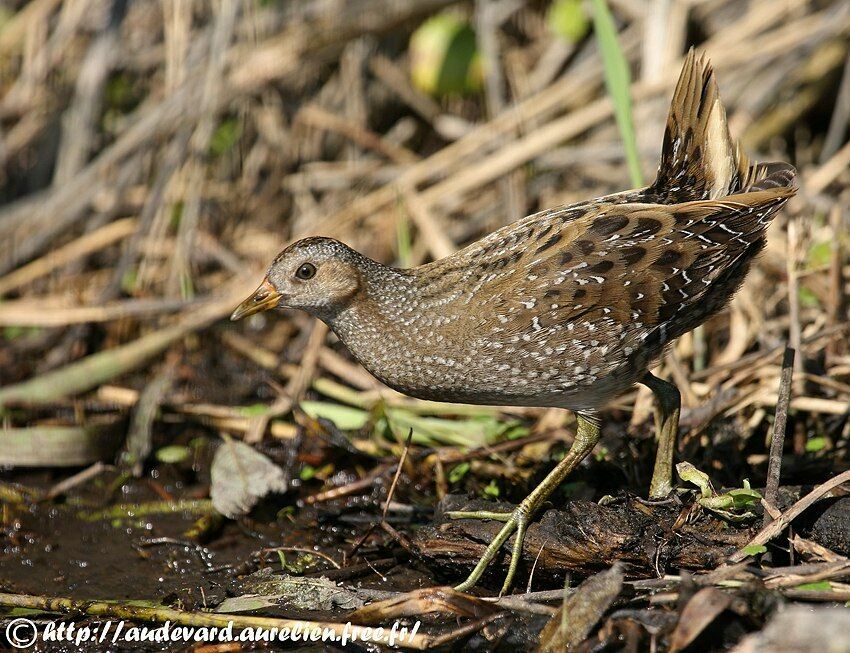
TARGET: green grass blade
(618,82)
(404,240)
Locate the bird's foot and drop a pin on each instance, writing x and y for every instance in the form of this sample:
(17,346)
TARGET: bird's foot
(514,521)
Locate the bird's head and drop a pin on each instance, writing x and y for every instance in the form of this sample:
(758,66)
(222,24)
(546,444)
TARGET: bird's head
(318,275)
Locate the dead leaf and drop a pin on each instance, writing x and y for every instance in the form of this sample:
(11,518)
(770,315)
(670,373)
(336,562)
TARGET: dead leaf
(268,589)
(703,608)
(430,600)
(801,629)
(581,611)
(241,476)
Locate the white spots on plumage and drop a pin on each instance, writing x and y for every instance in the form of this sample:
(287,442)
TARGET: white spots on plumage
(509,354)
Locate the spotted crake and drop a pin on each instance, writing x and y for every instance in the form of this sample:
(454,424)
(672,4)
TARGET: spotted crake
(568,307)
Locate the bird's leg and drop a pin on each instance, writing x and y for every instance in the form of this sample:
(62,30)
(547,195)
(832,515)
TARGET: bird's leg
(668,405)
(587,436)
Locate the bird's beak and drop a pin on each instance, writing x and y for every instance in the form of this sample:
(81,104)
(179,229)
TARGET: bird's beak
(264,298)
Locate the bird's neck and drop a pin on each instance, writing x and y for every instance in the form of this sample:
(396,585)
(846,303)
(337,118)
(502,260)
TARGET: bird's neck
(379,325)
(385,296)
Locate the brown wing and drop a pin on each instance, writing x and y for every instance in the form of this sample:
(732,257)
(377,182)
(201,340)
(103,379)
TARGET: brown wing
(639,265)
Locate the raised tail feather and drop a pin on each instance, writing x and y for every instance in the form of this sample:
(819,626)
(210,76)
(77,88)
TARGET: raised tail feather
(699,158)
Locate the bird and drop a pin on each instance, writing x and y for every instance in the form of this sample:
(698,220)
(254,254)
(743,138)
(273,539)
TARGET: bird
(569,307)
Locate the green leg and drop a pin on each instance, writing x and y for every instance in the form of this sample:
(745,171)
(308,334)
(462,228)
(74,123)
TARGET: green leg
(669,404)
(586,438)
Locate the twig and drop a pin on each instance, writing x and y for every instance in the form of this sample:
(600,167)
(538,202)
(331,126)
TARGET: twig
(777,441)
(818,180)
(77,479)
(349,488)
(775,527)
(419,641)
(261,554)
(76,249)
(836,268)
(100,367)
(433,233)
(320,118)
(140,436)
(45,312)
(397,80)
(840,114)
(296,386)
(384,524)
(397,475)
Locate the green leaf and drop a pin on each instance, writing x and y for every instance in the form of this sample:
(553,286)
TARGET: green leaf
(807,297)
(819,586)
(120,94)
(728,505)
(516,432)
(177,213)
(429,431)
(444,56)
(690,474)
(819,255)
(225,137)
(403,240)
(743,497)
(187,288)
(128,281)
(344,417)
(816,444)
(492,490)
(458,472)
(618,82)
(307,472)
(14,331)
(254,410)
(567,19)
(173,453)
(25,612)
(754,549)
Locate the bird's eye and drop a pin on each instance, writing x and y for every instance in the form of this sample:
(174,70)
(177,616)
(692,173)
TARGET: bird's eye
(306,271)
